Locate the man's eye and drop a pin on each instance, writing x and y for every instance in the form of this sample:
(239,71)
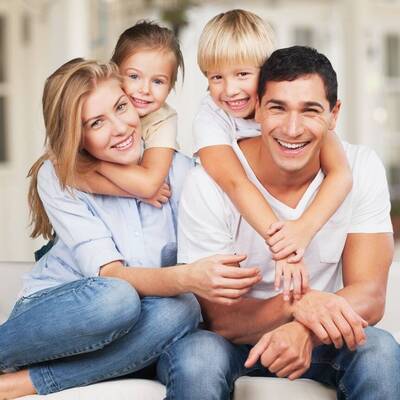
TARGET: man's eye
(276,108)
(122,106)
(311,110)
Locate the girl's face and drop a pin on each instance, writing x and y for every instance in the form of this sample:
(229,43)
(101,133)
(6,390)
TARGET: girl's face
(111,126)
(148,78)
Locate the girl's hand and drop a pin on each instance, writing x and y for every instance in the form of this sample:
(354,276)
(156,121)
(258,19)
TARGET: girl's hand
(219,278)
(160,198)
(295,274)
(288,238)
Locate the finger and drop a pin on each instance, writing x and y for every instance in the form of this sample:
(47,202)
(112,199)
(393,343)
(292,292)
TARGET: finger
(231,293)
(162,199)
(166,193)
(320,332)
(155,203)
(238,273)
(356,324)
(296,256)
(297,284)
(287,279)
(333,332)
(230,258)
(284,251)
(275,239)
(256,352)
(229,283)
(224,301)
(165,186)
(346,331)
(278,275)
(304,280)
(275,227)
(298,373)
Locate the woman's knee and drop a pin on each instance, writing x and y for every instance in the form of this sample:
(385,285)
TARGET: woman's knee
(116,305)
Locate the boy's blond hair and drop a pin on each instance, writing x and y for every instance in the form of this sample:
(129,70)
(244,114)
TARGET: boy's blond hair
(234,37)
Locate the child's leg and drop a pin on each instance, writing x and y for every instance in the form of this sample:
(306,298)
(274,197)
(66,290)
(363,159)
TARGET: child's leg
(77,317)
(162,322)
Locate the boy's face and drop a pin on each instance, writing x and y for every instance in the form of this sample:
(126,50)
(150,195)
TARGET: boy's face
(234,89)
(294,117)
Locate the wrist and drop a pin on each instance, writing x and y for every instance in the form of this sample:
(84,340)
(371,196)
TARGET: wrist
(183,278)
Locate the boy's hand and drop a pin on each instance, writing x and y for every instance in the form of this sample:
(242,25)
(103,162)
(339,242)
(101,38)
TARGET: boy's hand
(288,238)
(160,198)
(291,273)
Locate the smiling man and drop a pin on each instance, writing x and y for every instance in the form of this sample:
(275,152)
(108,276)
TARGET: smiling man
(323,336)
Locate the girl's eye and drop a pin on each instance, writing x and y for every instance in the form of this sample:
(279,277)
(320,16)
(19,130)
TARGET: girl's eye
(96,124)
(122,106)
(133,76)
(158,81)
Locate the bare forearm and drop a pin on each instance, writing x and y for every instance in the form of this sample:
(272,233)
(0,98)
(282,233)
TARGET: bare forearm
(248,320)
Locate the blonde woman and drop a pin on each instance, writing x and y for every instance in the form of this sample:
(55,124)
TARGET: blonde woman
(91,309)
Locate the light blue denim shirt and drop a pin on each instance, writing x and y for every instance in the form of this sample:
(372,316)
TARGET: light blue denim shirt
(93,230)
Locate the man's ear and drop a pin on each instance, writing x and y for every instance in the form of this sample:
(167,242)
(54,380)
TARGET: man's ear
(257,111)
(335,113)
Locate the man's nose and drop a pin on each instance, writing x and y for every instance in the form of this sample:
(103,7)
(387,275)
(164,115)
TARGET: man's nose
(294,125)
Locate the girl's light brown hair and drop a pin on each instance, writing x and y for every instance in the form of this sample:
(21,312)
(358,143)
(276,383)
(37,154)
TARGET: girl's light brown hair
(234,37)
(148,35)
(63,96)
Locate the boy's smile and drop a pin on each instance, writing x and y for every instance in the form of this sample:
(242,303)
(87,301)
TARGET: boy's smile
(234,89)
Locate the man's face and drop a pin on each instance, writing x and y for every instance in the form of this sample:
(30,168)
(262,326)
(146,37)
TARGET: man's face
(294,117)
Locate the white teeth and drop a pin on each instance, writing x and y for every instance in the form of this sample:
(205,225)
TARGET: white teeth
(236,102)
(291,146)
(125,143)
(140,101)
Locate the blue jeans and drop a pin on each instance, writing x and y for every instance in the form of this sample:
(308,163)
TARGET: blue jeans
(204,366)
(91,330)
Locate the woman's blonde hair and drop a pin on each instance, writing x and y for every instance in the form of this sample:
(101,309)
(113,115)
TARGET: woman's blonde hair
(63,96)
(234,37)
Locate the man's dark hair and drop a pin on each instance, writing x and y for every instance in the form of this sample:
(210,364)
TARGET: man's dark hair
(293,62)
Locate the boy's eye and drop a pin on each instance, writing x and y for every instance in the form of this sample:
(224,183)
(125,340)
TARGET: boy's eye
(215,77)
(242,74)
(133,76)
(122,106)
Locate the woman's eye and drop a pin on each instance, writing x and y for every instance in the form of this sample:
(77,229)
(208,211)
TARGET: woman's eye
(133,76)
(96,124)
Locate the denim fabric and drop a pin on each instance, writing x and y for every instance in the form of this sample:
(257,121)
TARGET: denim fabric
(204,366)
(91,330)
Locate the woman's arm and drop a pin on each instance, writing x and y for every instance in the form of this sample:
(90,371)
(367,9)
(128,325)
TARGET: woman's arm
(212,278)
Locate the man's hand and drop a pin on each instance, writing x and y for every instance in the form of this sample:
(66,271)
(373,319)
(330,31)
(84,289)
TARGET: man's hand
(331,318)
(285,351)
(216,278)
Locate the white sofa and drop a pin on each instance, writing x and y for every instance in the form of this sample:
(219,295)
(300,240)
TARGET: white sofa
(246,388)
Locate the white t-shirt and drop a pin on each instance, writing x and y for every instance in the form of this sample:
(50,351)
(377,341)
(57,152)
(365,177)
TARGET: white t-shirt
(209,223)
(213,126)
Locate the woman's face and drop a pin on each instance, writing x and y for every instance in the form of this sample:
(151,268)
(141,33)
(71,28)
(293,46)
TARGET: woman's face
(111,126)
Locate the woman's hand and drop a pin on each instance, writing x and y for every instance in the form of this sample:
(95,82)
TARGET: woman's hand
(219,278)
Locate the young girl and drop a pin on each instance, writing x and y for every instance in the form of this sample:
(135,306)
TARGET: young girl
(232,47)
(148,57)
(91,310)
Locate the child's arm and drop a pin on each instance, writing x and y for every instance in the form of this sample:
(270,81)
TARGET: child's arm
(334,189)
(232,178)
(140,180)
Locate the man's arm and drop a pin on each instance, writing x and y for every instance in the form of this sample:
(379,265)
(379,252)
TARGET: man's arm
(246,321)
(366,261)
